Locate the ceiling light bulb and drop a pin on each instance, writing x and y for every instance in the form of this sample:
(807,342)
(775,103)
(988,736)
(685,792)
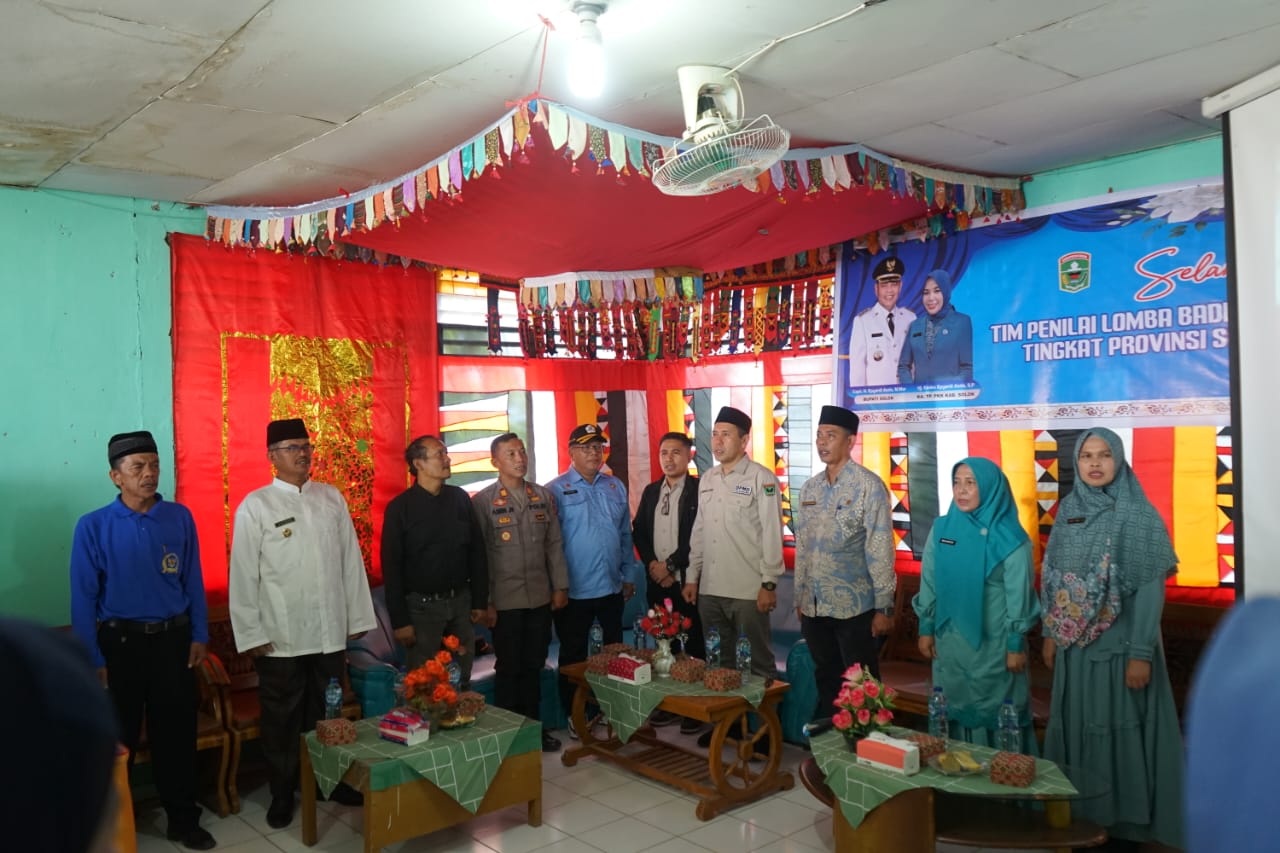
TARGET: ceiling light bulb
(586,59)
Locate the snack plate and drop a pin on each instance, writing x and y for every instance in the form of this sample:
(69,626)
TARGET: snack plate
(983,767)
(458,722)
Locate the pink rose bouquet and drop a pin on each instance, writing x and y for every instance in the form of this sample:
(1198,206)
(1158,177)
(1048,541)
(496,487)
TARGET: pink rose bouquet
(863,705)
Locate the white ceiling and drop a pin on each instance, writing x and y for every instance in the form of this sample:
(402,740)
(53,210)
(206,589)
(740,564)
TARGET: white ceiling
(287,101)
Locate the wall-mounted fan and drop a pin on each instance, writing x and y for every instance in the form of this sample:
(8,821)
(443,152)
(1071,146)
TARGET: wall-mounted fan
(719,150)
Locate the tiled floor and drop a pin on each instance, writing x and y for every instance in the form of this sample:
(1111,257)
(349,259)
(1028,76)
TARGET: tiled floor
(588,808)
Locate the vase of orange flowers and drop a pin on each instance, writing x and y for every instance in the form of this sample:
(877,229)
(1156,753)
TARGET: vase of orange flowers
(863,705)
(663,623)
(428,690)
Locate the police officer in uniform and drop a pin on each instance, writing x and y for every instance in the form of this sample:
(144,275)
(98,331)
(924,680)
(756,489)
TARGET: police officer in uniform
(528,578)
(878,331)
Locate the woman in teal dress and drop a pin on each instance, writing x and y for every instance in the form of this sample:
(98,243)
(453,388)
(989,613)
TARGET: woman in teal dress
(1112,711)
(976,604)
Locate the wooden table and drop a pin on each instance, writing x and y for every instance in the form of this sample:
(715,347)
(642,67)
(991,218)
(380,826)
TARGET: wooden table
(418,807)
(719,784)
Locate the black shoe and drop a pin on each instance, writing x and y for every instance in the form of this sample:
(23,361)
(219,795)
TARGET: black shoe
(280,812)
(662,718)
(705,740)
(550,743)
(690,726)
(343,795)
(192,839)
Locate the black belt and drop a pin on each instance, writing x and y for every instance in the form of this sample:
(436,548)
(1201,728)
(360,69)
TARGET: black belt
(440,596)
(179,621)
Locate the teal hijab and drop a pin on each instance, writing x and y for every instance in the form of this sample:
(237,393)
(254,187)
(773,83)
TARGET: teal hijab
(968,545)
(1103,539)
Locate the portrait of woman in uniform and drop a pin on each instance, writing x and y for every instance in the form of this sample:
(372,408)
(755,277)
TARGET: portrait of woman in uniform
(939,345)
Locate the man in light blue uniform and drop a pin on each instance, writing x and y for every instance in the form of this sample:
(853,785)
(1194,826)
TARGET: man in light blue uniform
(595,520)
(845,579)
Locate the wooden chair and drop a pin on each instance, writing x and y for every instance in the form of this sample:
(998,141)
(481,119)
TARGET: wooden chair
(211,733)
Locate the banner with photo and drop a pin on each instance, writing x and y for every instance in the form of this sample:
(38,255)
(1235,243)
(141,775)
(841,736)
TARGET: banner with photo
(1115,312)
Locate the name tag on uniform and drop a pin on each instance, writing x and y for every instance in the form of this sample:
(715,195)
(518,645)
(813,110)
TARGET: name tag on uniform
(877,334)
(1080,520)
(288,520)
(808,503)
(947,541)
(570,491)
(500,510)
(742,490)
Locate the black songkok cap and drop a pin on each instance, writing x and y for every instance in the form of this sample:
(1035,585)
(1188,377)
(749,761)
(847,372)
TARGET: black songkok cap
(839,416)
(125,443)
(737,417)
(585,434)
(278,431)
(66,768)
(889,268)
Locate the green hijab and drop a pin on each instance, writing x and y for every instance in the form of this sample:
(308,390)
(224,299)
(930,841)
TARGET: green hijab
(1106,543)
(968,545)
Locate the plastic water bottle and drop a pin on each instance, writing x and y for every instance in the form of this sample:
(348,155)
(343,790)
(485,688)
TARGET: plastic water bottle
(637,630)
(1009,735)
(595,639)
(938,714)
(455,675)
(713,648)
(333,700)
(744,656)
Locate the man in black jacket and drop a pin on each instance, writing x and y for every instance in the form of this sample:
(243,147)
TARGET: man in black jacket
(661,531)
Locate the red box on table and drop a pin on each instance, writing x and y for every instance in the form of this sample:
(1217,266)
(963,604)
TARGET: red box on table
(722,679)
(335,732)
(1011,768)
(689,670)
(623,668)
(928,745)
(599,663)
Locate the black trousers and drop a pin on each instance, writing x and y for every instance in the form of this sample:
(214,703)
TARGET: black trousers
(148,679)
(573,625)
(655,595)
(520,640)
(290,700)
(835,645)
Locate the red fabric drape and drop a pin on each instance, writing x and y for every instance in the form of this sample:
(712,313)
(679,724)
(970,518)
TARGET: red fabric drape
(349,347)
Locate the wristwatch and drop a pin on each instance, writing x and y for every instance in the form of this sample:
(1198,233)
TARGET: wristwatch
(768,586)
(887,611)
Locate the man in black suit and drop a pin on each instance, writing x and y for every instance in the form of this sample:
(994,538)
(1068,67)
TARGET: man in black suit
(661,531)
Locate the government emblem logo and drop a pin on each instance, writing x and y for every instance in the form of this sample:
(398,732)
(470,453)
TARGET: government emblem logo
(1073,271)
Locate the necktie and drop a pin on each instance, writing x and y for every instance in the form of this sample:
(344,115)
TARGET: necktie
(890,324)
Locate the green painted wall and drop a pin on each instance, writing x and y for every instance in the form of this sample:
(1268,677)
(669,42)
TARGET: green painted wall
(1200,158)
(86,353)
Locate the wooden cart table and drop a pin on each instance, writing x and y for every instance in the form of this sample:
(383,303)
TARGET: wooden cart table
(401,801)
(718,783)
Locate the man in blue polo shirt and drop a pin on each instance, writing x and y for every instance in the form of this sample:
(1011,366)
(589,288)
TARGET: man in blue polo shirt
(137,603)
(595,519)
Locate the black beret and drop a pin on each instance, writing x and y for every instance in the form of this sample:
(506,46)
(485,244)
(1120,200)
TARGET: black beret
(890,267)
(838,416)
(737,417)
(278,431)
(122,444)
(585,434)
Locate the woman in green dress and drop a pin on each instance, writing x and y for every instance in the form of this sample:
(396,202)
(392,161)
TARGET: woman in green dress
(976,604)
(1112,711)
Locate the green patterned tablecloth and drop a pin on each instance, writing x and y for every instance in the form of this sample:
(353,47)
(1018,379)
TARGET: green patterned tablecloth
(460,762)
(628,705)
(860,789)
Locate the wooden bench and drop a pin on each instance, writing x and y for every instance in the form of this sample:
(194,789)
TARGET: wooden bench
(236,679)
(1186,629)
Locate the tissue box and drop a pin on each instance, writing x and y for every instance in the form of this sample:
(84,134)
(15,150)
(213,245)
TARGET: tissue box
(889,753)
(628,669)
(928,745)
(688,670)
(722,679)
(335,732)
(1011,768)
(599,664)
(404,726)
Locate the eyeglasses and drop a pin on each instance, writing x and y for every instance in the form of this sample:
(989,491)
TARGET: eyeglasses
(295,448)
(666,503)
